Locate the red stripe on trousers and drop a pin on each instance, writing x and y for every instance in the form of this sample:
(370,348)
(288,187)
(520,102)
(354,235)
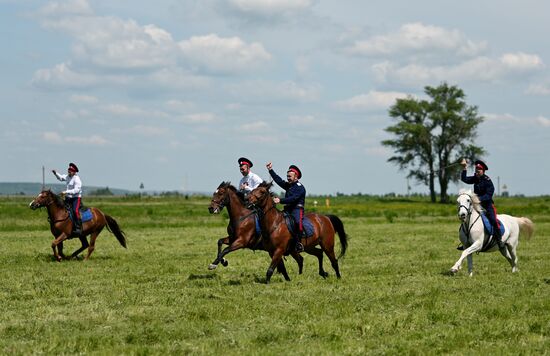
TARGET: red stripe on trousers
(495,212)
(301,219)
(77,208)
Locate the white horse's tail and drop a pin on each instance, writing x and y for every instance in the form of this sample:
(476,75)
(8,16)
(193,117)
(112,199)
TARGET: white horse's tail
(526,227)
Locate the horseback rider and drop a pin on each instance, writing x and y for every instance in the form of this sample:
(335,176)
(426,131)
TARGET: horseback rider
(73,194)
(484,188)
(250,180)
(294,200)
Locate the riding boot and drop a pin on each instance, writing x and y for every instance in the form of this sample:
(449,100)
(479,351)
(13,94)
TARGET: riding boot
(460,247)
(297,244)
(78,227)
(498,238)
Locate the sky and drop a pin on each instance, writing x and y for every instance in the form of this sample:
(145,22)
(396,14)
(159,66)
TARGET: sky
(171,93)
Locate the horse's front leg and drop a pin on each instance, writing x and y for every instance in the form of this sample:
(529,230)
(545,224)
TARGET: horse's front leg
(55,243)
(282,270)
(476,246)
(214,264)
(299,260)
(234,246)
(470,260)
(275,259)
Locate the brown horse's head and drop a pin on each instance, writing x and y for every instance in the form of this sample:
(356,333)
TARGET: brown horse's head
(261,195)
(219,198)
(45,198)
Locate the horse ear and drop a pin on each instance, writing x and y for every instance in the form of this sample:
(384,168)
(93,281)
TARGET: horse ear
(269,185)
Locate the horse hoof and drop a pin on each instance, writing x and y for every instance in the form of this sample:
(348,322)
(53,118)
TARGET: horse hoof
(225,262)
(212,266)
(453,271)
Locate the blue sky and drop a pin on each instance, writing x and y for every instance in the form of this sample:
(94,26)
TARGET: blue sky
(172,93)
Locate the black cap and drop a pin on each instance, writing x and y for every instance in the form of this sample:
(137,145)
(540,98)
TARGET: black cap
(482,164)
(295,169)
(246,161)
(73,167)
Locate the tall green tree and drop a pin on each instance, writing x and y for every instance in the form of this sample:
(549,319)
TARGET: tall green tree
(431,136)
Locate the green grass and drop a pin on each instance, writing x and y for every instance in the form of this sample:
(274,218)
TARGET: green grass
(158,297)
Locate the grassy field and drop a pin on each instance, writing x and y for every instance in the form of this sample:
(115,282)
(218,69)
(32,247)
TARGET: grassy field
(157,297)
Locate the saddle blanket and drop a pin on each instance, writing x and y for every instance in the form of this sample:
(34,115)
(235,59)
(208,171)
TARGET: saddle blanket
(86,215)
(489,227)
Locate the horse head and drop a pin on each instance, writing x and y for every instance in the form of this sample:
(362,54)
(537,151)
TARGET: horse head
(261,195)
(219,198)
(45,198)
(466,201)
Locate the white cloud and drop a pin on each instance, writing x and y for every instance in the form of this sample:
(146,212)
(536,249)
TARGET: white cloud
(198,118)
(264,91)
(304,120)
(478,69)
(62,76)
(83,99)
(146,130)
(418,38)
(270,7)
(253,127)
(54,137)
(225,55)
(372,101)
(71,7)
(543,121)
(538,89)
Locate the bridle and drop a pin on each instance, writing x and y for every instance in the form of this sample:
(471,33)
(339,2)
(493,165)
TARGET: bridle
(466,226)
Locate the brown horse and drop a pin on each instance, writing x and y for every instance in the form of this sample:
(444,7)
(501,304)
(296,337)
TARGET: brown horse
(242,227)
(61,225)
(273,221)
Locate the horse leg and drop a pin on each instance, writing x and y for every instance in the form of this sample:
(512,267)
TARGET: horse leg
(299,260)
(470,260)
(317,252)
(214,264)
(84,242)
(60,251)
(476,246)
(91,247)
(333,261)
(511,256)
(275,259)
(282,270)
(234,246)
(55,244)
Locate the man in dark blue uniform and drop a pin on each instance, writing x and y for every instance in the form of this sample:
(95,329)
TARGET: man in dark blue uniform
(484,189)
(294,200)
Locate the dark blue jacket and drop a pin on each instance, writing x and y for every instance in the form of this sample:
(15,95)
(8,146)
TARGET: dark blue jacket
(295,193)
(483,187)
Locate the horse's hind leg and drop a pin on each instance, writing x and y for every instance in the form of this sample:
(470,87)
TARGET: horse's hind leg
(282,270)
(333,262)
(317,252)
(84,242)
(510,253)
(299,260)
(91,247)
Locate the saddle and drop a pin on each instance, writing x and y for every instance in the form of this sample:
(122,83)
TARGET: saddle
(489,242)
(85,213)
(294,228)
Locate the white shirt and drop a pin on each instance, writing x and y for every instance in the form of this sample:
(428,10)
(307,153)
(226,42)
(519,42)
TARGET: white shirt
(250,181)
(74,185)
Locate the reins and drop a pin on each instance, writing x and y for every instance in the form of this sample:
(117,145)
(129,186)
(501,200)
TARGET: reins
(469,210)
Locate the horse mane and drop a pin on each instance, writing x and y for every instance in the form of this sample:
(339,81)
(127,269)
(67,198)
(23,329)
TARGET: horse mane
(56,198)
(229,186)
(475,199)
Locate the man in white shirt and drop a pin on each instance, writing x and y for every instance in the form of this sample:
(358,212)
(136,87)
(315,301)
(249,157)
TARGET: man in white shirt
(73,194)
(250,180)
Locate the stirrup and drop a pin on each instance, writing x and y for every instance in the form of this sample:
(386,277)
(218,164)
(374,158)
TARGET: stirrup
(299,247)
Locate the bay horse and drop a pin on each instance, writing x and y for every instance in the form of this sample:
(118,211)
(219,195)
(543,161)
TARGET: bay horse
(273,222)
(472,232)
(242,227)
(61,225)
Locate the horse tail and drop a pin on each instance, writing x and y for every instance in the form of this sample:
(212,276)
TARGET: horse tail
(339,228)
(526,226)
(113,227)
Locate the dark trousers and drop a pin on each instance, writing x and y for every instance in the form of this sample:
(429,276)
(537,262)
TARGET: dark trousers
(491,213)
(75,206)
(298,215)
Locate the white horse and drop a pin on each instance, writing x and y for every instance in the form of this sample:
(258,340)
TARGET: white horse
(472,232)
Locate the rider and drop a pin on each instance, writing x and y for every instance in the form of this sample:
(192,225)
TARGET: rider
(73,194)
(250,180)
(294,200)
(484,188)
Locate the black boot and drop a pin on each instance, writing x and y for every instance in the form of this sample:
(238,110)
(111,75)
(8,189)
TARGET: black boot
(297,244)
(78,228)
(498,239)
